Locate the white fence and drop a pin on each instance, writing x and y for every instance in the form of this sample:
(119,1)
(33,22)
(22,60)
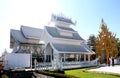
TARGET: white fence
(68,65)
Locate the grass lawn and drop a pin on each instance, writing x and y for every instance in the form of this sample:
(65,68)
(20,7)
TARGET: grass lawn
(81,74)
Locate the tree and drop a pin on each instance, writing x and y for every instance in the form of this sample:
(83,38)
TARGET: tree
(91,42)
(106,44)
(118,46)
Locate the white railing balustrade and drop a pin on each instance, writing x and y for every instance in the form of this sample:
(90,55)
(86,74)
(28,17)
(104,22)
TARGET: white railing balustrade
(44,64)
(68,65)
(96,61)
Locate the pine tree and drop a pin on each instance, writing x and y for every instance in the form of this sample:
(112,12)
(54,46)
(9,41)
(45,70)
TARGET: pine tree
(106,44)
(91,42)
(118,46)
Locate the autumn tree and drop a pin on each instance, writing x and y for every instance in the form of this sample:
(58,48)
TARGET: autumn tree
(106,44)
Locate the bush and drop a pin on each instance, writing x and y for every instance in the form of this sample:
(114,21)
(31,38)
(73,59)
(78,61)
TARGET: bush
(55,74)
(58,71)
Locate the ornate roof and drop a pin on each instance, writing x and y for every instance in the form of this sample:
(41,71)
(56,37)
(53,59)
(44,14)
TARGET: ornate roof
(55,33)
(30,32)
(23,35)
(18,36)
(62,19)
(66,28)
(71,48)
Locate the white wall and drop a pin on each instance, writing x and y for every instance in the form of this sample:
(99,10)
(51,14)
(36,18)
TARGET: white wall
(17,60)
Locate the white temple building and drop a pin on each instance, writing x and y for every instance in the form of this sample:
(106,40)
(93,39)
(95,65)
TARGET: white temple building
(58,47)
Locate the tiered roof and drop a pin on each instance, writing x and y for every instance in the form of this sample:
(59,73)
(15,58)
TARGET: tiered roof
(66,32)
(26,33)
(30,32)
(55,33)
(62,19)
(70,48)
(18,36)
(66,29)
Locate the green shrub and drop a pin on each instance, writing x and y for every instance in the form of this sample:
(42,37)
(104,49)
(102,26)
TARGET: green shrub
(55,74)
(58,71)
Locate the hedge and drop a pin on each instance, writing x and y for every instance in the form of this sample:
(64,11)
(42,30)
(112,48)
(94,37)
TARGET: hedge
(55,74)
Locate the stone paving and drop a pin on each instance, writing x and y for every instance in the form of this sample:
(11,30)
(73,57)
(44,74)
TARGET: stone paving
(107,69)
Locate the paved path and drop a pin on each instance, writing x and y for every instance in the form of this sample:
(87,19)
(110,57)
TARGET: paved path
(108,69)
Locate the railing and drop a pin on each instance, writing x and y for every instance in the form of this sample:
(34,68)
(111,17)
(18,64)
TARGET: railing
(117,61)
(96,61)
(44,66)
(75,63)
(68,65)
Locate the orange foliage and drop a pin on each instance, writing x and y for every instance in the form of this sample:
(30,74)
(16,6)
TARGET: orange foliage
(106,44)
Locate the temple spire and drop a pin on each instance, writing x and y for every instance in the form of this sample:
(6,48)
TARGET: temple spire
(103,22)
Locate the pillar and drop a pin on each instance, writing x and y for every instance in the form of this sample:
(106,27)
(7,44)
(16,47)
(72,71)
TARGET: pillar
(31,51)
(84,57)
(80,57)
(77,57)
(74,58)
(57,64)
(35,63)
(51,57)
(44,57)
(89,57)
(64,58)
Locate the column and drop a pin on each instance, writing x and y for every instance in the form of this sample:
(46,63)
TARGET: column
(64,58)
(44,57)
(51,57)
(35,63)
(31,51)
(74,57)
(77,57)
(84,57)
(89,57)
(80,57)
(57,62)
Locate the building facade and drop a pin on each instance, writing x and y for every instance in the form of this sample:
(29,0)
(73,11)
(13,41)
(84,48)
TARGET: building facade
(56,47)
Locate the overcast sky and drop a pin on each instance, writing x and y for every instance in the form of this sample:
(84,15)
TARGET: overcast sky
(36,13)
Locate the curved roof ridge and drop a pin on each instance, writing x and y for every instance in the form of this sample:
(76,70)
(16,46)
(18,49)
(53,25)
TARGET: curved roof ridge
(18,36)
(70,48)
(55,33)
(66,28)
(30,32)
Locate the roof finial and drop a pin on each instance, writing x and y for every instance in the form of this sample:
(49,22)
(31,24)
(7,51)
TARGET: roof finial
(102,21)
